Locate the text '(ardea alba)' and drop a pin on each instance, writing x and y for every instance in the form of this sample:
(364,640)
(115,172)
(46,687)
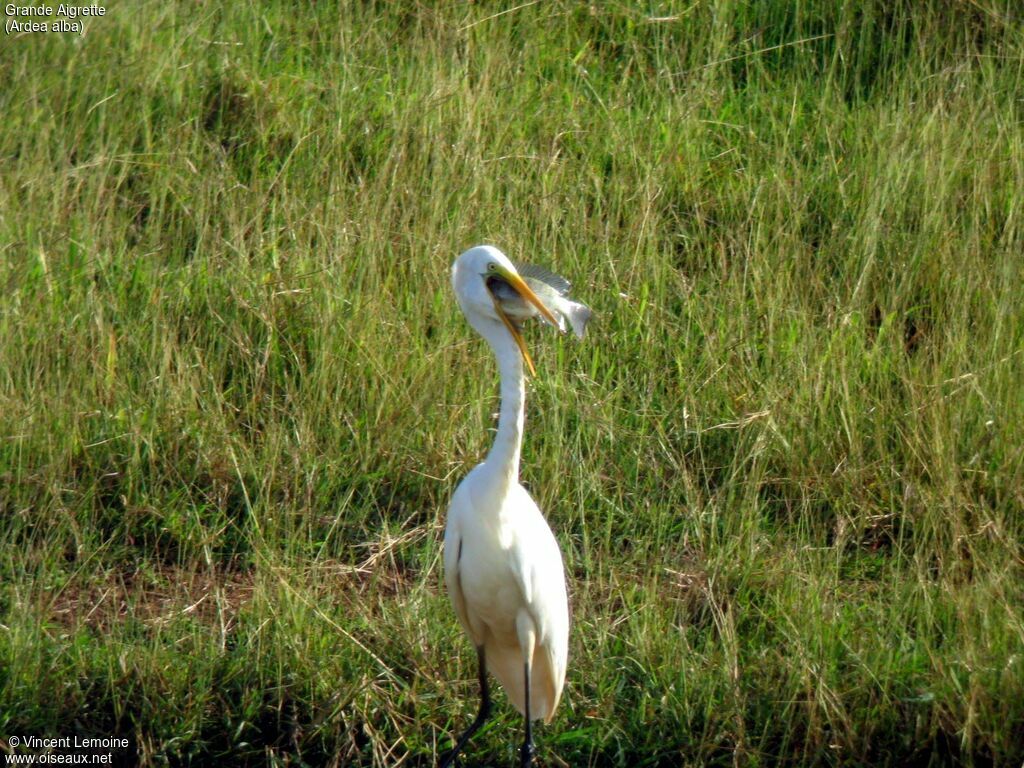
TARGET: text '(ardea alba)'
(502,565)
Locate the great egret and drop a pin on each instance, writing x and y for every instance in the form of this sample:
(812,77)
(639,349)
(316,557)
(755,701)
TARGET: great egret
(502,565)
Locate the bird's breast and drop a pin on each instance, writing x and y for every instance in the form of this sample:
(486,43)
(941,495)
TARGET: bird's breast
(486,573)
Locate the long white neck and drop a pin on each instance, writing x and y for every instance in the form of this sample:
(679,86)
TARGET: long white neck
(504,453)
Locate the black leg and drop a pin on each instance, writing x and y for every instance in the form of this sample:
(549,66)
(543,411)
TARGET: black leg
(481,716)
(527,751)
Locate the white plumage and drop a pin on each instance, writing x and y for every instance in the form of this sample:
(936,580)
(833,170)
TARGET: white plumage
(502,565)
(508,586)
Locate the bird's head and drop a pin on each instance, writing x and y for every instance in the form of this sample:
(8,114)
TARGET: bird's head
(474,274)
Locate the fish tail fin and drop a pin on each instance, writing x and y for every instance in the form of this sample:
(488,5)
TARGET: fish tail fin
(579,316)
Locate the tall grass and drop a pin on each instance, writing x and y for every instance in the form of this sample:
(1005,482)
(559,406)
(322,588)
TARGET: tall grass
(785,467)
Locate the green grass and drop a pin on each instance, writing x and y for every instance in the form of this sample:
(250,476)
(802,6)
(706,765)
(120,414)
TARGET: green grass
(786,467)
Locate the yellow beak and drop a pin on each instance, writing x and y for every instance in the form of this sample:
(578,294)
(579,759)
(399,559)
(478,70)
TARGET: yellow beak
(527,293)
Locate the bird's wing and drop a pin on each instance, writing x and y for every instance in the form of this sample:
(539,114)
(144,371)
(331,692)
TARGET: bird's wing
(537,563)
(452,580)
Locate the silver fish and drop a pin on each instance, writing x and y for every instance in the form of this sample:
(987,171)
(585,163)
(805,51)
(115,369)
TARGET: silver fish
(550,288)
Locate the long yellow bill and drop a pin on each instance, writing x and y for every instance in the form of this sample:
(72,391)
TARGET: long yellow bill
(527,293)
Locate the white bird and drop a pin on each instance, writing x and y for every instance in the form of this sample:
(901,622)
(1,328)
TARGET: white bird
(503,568)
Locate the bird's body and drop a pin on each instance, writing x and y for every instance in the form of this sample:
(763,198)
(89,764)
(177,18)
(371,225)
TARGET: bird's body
(503,569)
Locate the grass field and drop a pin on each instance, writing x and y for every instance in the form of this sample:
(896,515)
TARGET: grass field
(786,467)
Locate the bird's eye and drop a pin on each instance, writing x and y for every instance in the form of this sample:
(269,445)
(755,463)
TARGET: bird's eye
(492,267)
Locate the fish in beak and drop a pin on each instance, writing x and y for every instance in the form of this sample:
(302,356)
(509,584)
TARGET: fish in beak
(498,288)
(553,292)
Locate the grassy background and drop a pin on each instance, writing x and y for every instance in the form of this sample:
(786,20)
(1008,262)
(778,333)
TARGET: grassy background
(786,468)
